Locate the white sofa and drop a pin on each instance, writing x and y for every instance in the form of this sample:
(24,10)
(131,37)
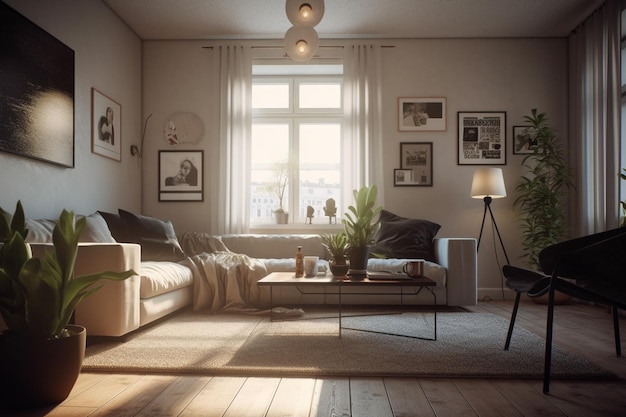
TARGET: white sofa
(165,286)
(455,269)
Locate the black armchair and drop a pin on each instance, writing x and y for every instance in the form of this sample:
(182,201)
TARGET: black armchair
(591,268)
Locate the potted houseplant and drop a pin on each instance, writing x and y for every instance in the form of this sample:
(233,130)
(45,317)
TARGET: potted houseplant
(41,354)
(360,226)
(542,190)
(278,186)
(336,244)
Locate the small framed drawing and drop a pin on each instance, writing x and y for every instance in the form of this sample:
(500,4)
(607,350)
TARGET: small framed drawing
(402,177)
(180,175)
(106,122)
(482,138)
(524,139)
(422,114)
(416,157)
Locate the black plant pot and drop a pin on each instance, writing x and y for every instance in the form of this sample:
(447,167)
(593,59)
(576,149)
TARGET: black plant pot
(339,269)
(37,373)
(358,260)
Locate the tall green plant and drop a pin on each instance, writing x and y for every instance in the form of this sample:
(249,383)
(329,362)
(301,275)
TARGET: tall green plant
(361,221)
(542,189)
(38,296)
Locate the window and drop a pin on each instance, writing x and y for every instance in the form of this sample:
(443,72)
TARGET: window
(297,141)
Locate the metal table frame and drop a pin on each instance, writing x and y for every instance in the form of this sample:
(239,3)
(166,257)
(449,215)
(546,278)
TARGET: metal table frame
(302,284)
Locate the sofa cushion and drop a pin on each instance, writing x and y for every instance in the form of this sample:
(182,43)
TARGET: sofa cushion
(116,225)
(157,237)
(161,277)
(401,237)
(39,231)
(432,270)
(96,230)
(268,246)
(289,265)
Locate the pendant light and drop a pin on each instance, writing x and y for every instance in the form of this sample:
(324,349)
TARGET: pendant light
(305,12)
(301,43)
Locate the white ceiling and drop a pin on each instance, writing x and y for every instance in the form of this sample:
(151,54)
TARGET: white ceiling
(266,19)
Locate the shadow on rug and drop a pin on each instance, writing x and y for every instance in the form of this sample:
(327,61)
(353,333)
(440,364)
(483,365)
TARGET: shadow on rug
(467,345)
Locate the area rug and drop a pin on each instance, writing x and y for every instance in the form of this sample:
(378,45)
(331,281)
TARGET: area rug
(468,344)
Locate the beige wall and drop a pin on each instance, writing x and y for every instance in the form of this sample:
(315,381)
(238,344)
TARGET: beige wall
(474,75)
(107,57)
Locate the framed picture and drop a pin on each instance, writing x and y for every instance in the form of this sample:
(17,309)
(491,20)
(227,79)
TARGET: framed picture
(36,91)
(482,138)
(422,114)
(180,175)
(524,139)
(106,122)
(402,177)
(416,157)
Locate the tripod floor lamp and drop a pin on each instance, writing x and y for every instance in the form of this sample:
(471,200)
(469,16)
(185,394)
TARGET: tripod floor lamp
(488,183)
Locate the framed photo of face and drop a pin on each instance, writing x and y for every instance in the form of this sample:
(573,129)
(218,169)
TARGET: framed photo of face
(181,175)
(106,126)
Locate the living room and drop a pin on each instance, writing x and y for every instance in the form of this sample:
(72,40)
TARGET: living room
(162,77)
(151,79)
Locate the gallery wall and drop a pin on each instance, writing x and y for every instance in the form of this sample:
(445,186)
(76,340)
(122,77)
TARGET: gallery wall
(510,75)
(108,58)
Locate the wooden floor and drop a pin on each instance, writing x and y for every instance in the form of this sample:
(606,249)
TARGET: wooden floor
(582,329)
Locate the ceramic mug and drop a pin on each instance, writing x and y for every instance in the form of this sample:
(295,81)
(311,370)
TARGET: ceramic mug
(310,265)
(413,268)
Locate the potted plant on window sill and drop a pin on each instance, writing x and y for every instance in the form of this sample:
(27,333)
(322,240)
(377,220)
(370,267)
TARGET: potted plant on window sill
(41,354)
(278,186)
(360,226)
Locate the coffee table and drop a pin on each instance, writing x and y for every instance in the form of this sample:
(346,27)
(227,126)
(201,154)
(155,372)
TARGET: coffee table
(313,285)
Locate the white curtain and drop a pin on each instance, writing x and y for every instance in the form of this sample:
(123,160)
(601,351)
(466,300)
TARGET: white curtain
(232,200)
(595,119)
(362,66)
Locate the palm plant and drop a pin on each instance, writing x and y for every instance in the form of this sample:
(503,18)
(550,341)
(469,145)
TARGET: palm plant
(542,190)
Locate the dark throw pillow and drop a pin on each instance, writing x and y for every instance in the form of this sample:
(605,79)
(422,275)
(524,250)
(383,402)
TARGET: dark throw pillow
(400,237)
(116,225)
(157,237)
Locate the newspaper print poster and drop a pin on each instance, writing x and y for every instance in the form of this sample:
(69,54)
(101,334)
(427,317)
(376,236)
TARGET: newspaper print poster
(482,138)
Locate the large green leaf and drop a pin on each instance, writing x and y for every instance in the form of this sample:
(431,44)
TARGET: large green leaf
(360,221)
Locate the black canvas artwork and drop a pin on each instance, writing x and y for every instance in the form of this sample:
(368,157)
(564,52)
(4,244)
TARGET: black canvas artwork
(36,91)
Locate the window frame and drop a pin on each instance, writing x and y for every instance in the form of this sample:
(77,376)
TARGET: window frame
(295,116)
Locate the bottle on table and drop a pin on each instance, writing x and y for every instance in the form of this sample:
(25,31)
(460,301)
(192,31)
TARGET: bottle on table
(299,262)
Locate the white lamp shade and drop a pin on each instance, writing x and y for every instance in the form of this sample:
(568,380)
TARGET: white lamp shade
(488,182)
(301,43)
(305,12)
